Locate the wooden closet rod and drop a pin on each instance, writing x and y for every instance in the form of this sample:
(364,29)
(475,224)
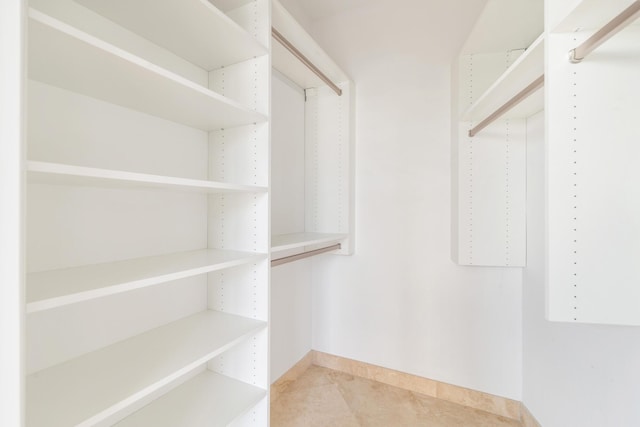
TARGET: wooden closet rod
(524,93)
(605,33)
(296,257)
(291,48)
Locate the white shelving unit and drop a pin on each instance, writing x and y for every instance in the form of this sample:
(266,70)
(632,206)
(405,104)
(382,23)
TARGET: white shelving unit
(147,235)
(328,146)
(591,149)
(489,174)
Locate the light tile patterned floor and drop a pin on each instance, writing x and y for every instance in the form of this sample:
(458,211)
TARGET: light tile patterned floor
(322,397)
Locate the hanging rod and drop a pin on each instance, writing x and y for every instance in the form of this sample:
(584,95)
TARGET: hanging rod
(291,48)
(605,33)
(524,93)
(296,257)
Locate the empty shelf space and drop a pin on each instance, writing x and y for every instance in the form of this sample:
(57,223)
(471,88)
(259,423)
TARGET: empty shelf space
(56,173)
(284,242)
(62,56)
(97,386)
(192,29)
(209,399)
(56,288)
(525,70)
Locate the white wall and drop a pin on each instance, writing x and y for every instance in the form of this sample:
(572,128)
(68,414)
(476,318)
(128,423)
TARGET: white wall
(400,302)
(573,375)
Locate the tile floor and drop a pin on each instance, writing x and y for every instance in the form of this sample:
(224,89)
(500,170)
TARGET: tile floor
(323,397)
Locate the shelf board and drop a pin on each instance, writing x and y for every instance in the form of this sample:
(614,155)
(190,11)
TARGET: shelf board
(209,399)
(192,29)
(61,174)
(97,386)
(62,56)
(289,65)
(591,15)
(57,288)
(528,67)
(285,242)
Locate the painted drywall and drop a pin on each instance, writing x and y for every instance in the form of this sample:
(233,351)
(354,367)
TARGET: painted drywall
(573,375)
(400,302)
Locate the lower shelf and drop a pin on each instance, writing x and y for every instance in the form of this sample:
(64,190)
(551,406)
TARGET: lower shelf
(97,387)
(209,400)
(283,242)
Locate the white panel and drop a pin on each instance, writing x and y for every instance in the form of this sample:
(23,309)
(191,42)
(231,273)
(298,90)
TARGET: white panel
(250,15)
(291,316)
(239,222)
(231,81)
(594,231)
(492,196)
(491,167)
(247,361)
(12,82)
(287,157)
(329,162)
(239,155)
(240,291)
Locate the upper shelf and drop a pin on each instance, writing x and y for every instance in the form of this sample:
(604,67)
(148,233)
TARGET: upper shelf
(192,29)
(285,242)
(66,57)
(526,69)
(289,65)
(97,387)
(57,288)
(591,14)
(209,396)
(56,173)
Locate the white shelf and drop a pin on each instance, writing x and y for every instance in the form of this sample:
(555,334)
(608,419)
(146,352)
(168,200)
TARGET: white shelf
(56,173)
(528,67)
(283,61)
(210,400)
(285,242)
(57,288)
(62,56)
(192,29)
(592,14)
(97,386)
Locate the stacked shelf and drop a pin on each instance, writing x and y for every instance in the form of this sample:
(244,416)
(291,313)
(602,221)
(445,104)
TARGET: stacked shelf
(62,56)
(95,387)
(150,77)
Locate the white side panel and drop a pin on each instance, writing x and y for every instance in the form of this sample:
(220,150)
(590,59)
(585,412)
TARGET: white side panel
(491,167)
(492,199)
(329,163)
(593,205)
(231,81)
(11,212)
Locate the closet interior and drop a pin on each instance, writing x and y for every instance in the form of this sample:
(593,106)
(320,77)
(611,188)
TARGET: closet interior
(149,213)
